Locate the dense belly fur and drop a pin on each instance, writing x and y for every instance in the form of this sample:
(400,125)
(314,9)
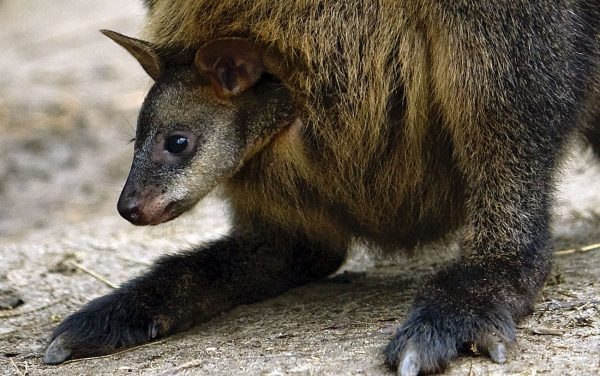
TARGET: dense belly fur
(292,183)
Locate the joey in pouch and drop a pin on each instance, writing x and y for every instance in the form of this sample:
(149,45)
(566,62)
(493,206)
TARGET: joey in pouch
(396,123)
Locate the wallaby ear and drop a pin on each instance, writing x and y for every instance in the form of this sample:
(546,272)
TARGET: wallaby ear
(232,65)
(141,50)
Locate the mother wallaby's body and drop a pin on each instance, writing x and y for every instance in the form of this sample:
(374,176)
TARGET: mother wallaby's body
(394,122)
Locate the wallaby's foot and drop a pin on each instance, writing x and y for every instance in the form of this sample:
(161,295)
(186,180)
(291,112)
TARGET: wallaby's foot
(105,325)
(451,313)
(429,341)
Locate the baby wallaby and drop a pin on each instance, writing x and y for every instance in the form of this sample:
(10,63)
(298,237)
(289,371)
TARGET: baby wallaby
(198,125)
(398,128)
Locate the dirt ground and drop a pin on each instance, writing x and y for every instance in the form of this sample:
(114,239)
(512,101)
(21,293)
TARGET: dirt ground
(68,101)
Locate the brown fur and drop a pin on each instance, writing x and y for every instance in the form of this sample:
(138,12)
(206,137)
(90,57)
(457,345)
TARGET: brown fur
(345,63)
(390,121)
(340,92)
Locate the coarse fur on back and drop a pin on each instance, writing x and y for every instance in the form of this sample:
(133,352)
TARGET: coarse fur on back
(364,109)
(382,93)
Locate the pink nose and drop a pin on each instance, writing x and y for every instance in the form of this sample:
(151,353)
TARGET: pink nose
(145,207)
(129,208)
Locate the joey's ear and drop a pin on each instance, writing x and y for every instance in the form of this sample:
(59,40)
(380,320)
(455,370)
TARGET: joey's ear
(232,65)
(141,50)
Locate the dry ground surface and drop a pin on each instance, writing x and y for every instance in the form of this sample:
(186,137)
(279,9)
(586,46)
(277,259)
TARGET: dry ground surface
(68,100)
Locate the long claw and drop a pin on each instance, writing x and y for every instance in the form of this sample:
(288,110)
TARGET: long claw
(498,352)
(494,347)
(153,330)
(58,351)
(410,364)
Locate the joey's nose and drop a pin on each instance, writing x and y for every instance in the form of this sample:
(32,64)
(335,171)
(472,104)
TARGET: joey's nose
(129,208)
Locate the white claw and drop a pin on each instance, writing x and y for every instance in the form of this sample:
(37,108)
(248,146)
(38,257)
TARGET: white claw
(153,330)
(410,364)
(497,352)
(494,347)
(57,352)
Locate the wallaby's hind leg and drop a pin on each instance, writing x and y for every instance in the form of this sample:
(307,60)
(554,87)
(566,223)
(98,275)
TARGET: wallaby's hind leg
(508,149)
(185,289)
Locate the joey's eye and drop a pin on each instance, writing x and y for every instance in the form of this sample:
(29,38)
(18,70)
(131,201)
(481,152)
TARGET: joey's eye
(176,144)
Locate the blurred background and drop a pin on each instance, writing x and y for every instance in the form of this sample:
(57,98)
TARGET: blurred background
(68,104)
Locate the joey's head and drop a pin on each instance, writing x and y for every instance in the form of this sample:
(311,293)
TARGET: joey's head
(207,113)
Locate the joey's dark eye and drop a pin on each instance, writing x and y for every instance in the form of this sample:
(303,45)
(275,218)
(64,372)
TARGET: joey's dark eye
(176,144)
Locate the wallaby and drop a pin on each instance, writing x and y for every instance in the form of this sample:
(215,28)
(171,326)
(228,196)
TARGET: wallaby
(324,121)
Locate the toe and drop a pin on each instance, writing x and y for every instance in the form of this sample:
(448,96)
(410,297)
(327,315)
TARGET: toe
(493,346)
(58,351)
(410,363)
(153,330)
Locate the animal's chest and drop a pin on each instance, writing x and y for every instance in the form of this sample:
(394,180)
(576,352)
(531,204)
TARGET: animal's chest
(381,199)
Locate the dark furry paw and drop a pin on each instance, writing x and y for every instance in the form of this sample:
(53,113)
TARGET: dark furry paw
(449,314)
(103,326)
(415,350)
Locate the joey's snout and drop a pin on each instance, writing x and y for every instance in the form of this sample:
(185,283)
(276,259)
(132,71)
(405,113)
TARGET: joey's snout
(145,207)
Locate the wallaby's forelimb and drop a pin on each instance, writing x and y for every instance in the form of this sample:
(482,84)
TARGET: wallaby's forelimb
(185,289)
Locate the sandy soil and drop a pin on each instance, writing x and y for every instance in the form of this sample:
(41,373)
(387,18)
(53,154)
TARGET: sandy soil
(68,100)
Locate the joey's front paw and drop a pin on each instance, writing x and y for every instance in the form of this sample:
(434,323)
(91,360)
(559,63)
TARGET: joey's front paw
(103,326)
(449,315)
